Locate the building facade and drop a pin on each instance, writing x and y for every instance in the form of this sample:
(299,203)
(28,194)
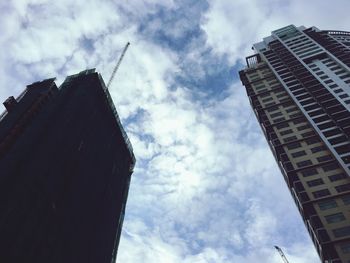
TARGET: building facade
(298,84)
(65,167)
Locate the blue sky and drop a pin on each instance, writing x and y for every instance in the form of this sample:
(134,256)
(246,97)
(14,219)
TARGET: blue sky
(206,187)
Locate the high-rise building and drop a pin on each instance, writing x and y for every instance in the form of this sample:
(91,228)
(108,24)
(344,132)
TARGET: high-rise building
(65,167)
(298,83)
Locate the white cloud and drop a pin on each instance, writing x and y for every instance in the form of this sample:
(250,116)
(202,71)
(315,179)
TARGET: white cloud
(233,26)
(206,187)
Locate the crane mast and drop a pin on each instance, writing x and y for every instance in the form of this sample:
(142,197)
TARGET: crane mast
(118,64)
(285,260)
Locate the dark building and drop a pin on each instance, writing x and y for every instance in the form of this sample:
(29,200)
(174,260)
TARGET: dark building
(298,83)
(65,167)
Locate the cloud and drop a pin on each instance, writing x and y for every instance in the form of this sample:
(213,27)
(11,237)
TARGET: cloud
(206,187)
(233,26)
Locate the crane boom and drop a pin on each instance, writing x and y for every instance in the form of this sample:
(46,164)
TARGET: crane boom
(285,260)
(118,64)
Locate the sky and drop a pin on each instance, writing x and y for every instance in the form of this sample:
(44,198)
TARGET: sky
(206,187)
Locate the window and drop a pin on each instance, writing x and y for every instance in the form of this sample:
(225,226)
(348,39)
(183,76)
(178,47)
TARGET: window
(264,95)
(330,167)
(318,149)
(286,132)
(291,110)
(304,163)
(333,218)
(324,158)
(315,182)
(345,248)
(342,188)
(343,96)
(276,114)
(307,134)
(309,172)
(272,109)
(328,204)
(289,139)
(340,71)
(298,154)
(345,76)
(293,145)
(346,200)
(259,86)
(321,193)
(294,115)
(281,95)
(301,120)
(267,99)
(342,231)
(304,127)
(312,140)
(282,125)
(279,119)
(337,177)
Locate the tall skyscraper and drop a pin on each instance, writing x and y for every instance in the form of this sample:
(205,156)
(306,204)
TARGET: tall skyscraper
(298,83)
(65,167)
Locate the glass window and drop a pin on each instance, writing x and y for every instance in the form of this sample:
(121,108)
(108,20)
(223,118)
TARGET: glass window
(301,120)
(343,188)
(345,248)
(343,96)
(309,172)
(293,145)
(282,125)
(286,132)
(304,127)
(338,90)
(315,182)
(290,138)
(330,167)
(321,193)
(279,119)
(298,154)
(272,109)
(333,218)
(346,199)
(267,99)
(318,149)
(307,134)
(273,115)
(328,204)
(337,177)
(304,163)
(324,158)
(342,231)
(312,140)
(291,110)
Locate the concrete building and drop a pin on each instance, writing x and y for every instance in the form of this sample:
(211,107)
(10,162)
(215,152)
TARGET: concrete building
(65,167)
(298,84)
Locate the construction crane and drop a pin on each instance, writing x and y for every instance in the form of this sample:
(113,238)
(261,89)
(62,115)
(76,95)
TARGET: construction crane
(285,260)
(118,64)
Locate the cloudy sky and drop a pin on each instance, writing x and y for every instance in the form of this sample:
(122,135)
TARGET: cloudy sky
(206,187)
